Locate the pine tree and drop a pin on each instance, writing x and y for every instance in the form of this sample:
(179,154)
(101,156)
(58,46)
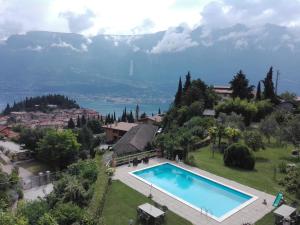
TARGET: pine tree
(71,124)
(187,83)
(178,95)
(269,91)
(258,92)
(240,86)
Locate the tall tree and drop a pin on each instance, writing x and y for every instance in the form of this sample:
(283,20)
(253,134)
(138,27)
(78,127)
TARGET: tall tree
(78,123)
(159,112)
(6,110)
(178,95)
(258,92)
(137,112)
(187,83)
(58,148)
(240,86)
(71,124)
(83,120)
(114,116)
(269,91)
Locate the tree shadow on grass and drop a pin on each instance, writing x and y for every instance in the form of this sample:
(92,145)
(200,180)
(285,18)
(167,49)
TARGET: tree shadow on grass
(262,159)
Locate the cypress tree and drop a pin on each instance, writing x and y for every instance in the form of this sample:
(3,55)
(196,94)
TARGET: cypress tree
(187,83)
(178,95)
(83,120)
(159,112)
(137,111)
(71,124)
(269,91)
(258,92)
(78,123)
(114,116)
(6,110)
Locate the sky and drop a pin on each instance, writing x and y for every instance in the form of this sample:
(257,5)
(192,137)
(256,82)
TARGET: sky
(92,17)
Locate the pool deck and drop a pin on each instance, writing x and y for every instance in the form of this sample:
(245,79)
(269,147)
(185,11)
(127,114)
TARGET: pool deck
(250,213)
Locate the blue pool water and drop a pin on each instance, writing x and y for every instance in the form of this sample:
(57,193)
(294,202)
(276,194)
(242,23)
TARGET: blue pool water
(195,190)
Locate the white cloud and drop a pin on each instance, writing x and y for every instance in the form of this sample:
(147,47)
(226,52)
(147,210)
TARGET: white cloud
(241,44)
(225,13)
(63,44)
(175,40)
(91,17)
(37,48)
(79,22)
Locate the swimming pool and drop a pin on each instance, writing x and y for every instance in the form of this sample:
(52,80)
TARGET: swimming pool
(203,194)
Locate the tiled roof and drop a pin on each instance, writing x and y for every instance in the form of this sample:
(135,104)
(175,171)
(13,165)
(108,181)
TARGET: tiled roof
(120,126)
(136,139)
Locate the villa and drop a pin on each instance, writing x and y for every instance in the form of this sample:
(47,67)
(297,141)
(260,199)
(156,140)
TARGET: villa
(116,130)
(224,92)
(135,140)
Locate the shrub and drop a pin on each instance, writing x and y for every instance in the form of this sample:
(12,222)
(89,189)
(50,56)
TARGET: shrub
(67,213)
(282,167)
(190,160)
(33,210)
(291,181)
(253,140)
(239,155)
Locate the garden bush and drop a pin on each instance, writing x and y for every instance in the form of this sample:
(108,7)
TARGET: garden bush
(240,156)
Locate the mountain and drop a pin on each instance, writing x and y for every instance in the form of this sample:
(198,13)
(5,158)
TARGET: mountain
(149,64)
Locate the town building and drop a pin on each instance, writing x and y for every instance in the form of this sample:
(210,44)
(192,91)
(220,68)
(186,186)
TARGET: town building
(116,130)
(135,140)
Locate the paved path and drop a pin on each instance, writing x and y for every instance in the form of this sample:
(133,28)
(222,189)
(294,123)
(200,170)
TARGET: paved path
(38,192)
(251,213)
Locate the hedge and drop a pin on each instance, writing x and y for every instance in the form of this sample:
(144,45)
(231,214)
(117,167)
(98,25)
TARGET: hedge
(101,187)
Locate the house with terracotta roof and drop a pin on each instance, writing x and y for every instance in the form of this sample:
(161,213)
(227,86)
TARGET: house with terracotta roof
(116,130)
(7,132)
(224,92)
(156,119)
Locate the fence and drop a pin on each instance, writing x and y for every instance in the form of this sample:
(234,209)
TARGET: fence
(128,158)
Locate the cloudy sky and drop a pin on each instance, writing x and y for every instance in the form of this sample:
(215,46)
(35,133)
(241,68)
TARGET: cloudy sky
(91,17)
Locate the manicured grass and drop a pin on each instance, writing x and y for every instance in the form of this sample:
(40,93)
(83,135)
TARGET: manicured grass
(268,219)
(262,178)
(122,202)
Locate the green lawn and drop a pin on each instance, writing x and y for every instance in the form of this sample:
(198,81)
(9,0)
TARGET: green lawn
(262,178)
(121,204)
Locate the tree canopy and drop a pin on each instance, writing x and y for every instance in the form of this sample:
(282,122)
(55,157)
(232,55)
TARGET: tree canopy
(58,148)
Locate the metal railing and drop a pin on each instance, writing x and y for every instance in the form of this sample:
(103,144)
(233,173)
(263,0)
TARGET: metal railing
(128,158)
